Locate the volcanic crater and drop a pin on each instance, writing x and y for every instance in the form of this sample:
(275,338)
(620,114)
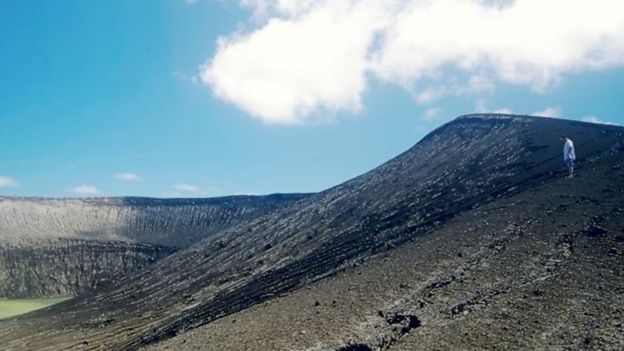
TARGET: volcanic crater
(472,239)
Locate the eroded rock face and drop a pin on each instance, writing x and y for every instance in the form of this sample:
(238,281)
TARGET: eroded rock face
(166,222)
(71,267)
(63,247)
(466,165)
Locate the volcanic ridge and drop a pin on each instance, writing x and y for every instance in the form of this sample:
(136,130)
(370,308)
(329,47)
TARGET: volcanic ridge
(472,239)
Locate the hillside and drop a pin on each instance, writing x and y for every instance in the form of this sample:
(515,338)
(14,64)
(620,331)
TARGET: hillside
(538,270)
(62,247)
(465,240)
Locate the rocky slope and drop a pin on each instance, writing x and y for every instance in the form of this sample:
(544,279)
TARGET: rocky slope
(474,218)
(540,270)
(61,247)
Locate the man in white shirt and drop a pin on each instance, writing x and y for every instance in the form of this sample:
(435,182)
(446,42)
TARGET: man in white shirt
(568,155)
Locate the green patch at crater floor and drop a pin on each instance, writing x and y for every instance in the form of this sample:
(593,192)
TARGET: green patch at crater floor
(14,307)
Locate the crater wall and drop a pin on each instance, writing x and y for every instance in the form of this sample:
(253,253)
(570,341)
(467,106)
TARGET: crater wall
(61,247)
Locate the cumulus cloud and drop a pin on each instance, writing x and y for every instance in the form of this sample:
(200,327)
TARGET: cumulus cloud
(7,182)
(308,58)
(528,42)
(127,177)
(85,190)
(482,108)
(549,111)
(288,68)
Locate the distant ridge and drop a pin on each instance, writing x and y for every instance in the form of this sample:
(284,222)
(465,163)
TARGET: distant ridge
(60,246)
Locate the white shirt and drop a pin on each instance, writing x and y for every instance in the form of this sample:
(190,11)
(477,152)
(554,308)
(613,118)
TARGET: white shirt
(568,150)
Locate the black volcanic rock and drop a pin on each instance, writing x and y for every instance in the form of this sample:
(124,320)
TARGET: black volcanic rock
(450,178)
(63,247)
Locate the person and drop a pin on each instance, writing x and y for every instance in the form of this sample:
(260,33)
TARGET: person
(568,155)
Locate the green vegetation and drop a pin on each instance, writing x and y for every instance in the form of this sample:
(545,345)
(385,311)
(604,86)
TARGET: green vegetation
(14,307)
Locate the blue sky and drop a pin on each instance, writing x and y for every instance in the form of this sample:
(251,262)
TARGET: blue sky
(209,98)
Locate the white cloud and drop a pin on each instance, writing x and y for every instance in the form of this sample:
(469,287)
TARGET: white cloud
(546,112)
(7,182)
(312,56)
(549,111)
(182,190)
(475,84)
(431,94)
(245,193)
(85,190)
(481,108)
(263,8)
(191,78)
(431,114)
(186,188)
(127,177)
(591,119)
(504,111)
(528,42)
(289,68)
(594,119)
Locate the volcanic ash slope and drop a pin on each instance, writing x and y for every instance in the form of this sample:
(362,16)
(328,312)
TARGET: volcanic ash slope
(473,239)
